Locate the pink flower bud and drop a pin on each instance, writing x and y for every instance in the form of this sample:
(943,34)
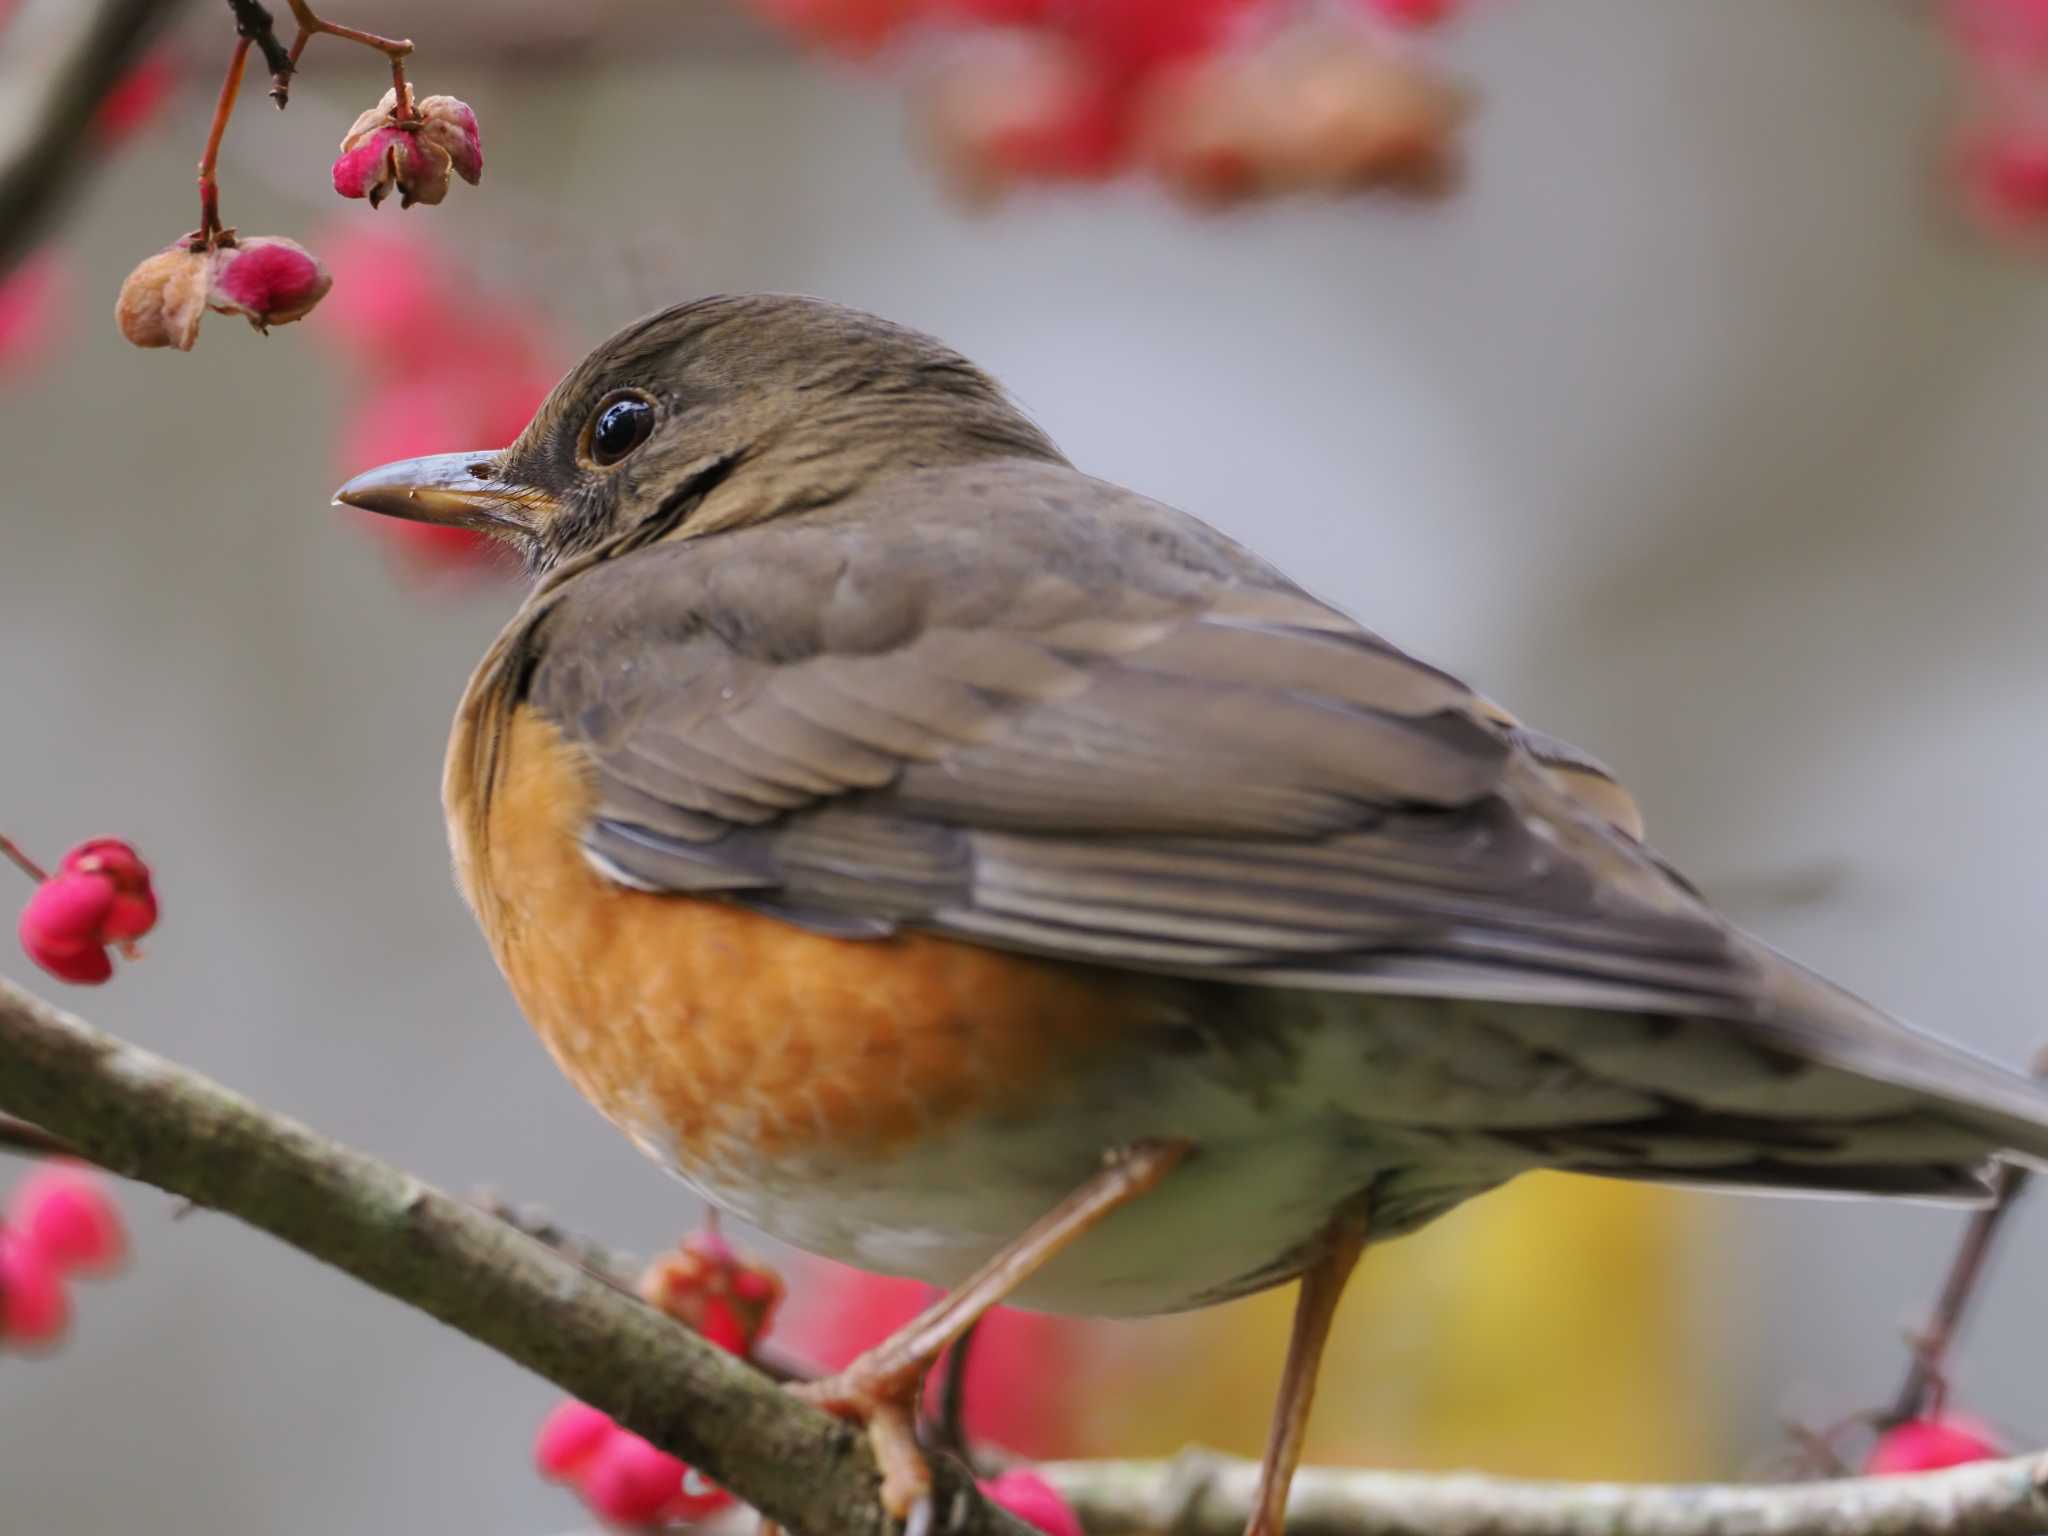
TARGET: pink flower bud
(63,1209)
(1034,1501)
(164,298)
(1926,1445)
(268,278)
(34,1308)
(570,1436)
(414,154)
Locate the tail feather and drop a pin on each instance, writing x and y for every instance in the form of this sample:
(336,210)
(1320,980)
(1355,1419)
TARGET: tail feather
(1821,1022)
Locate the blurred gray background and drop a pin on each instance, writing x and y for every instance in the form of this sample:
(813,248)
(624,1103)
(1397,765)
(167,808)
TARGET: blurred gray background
(1689,428)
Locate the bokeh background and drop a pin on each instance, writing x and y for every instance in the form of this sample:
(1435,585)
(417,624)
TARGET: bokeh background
(1697,424)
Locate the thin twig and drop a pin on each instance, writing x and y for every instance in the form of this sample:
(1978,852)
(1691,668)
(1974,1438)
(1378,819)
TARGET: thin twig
(15,854)
(311,25)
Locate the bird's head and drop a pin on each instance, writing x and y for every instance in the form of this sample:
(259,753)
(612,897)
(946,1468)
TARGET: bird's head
(710,416)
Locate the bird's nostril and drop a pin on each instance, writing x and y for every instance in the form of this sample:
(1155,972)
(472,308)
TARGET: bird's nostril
(482,469)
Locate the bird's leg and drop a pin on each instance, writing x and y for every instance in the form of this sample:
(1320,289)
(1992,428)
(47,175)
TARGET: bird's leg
(1322,1284)
(879,1388)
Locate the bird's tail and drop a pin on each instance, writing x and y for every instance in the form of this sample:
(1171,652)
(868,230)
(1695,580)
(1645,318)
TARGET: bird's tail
(2005,1108)
(1825,1094)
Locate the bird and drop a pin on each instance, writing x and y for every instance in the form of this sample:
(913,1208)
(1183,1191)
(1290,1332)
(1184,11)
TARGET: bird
(966,868)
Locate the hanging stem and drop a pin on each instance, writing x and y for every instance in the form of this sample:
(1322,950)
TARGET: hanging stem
(396,49)
(223,109)
(21,861)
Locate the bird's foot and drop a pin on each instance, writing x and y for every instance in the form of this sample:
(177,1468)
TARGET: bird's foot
(879,1390)
(881,1396)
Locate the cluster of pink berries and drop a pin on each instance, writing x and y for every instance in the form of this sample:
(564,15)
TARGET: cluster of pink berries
(60,1224)
(622,1478)
(629,1483)
(1219,99)
(99,898)
(403,145)
(2001,150)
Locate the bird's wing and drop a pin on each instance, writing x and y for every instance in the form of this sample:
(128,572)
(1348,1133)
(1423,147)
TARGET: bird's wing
(1081,725)
(1126,742)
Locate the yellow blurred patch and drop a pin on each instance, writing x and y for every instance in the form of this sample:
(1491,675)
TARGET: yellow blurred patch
(1539,1330)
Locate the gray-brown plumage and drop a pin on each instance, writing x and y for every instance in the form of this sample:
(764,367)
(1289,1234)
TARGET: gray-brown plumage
(838,639)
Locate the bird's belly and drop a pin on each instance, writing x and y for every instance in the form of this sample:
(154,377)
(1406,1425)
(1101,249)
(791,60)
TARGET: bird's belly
(910,1104)
(1235,1217)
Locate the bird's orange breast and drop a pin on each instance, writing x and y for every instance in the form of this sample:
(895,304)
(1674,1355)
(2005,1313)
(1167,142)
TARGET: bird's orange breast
(711,1033)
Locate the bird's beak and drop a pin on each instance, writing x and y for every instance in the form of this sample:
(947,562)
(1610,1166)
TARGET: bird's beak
(461,490)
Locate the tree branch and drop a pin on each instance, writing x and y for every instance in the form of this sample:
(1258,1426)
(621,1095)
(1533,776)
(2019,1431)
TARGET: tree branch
(60,60)
(1201,1494)
(140,1115)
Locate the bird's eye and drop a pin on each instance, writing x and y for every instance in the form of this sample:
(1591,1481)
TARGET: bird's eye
(621,425)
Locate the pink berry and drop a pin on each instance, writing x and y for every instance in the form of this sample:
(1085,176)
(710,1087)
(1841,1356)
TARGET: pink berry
(269,279)
(60,927)
(34,1308)
(569,1438)
(64,1210)
(1925,1445)
(134,911)
(1034,1501)
(630,1481)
